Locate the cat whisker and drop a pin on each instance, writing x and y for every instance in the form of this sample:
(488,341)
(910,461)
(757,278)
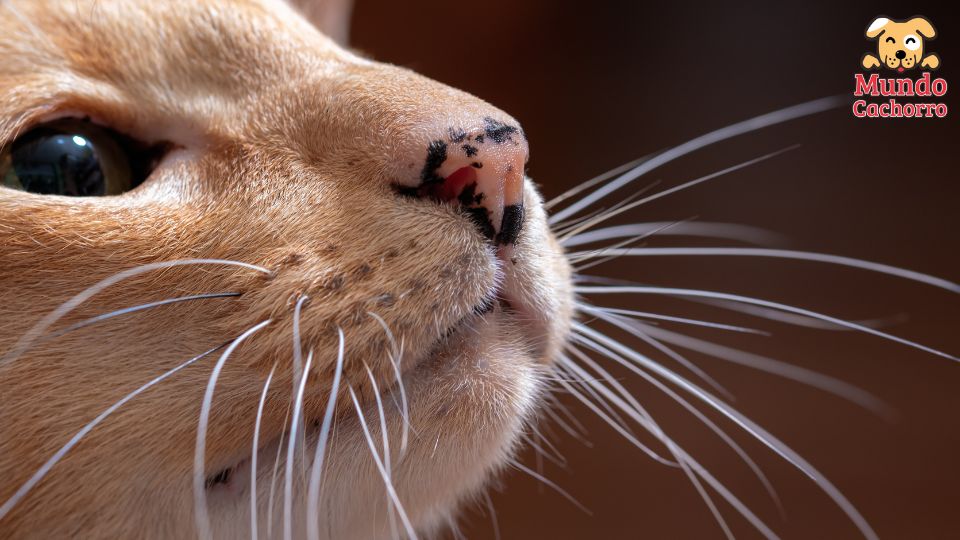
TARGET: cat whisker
(44,469)
(570,227)
(488,502)
(595,180)
(615,425)
(670,318)
(712,426)
(133,309)
(550,484)
(634,329)
(562,461)
(295,423)
(396,358)
(573,427)
(541,452)
(385,436)
(31,335)
(201,513)
(297,372)
(775,444)
(690,465)
(316,470)
(749,309)
(764,303)
(276,466)
(713,137)
(782,254)
(831,385)
(391,492)
(795,320)
(588,387)
(255,448)
(681,187)
(702,229)
(609,253)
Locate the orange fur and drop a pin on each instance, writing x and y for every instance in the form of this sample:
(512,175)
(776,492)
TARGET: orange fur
(287,146)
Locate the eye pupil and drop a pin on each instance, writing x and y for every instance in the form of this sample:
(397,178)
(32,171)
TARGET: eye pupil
(56,164)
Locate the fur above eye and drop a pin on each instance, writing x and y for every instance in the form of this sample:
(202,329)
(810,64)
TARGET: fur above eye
(76,158)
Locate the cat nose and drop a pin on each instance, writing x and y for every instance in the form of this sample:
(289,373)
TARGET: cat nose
(479,167)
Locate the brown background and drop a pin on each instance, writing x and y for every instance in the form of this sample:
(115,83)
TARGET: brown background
(596,84)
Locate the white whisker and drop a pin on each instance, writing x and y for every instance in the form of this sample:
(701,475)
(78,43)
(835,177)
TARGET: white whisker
(745,423)
(396,359)
(595,180)
(686,463)
(31,335)
(391,492)
(783,254)
(253,454)
(764,303)
(588,388)
(635,329)
(569,228)
(623,432)
(133,309)
(201,513)
(573,427)
(711,425)
(701,229)
(384,435)
(722,134)
(670,318)
(551,484)
(45,468)
(297,372)
(281,440)
(786,370)
(291,448)
(493,514)
(681,187)
(610,253)
(313,491)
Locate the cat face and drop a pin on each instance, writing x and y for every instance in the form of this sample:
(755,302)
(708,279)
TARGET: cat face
(391,232)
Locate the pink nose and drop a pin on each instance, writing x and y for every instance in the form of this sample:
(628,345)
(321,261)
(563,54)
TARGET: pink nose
(481,169)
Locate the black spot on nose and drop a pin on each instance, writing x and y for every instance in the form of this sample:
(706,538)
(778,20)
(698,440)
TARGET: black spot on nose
(512,224)
(901,55)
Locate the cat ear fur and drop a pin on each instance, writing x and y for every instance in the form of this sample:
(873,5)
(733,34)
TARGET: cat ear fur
(332,17)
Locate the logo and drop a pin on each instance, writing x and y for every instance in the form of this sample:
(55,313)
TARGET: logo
(901,52)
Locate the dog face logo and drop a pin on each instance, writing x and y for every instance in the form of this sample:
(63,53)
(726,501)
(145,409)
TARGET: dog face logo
(900,44)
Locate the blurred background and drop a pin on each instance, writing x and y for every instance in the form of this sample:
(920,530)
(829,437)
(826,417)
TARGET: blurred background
(597,84)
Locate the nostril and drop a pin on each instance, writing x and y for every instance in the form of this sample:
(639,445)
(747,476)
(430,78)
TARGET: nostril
(461,186)
(901,55)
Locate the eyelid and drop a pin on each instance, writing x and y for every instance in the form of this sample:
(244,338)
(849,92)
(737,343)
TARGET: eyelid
(891,40)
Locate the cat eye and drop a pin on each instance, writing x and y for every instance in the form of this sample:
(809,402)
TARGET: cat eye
(76,158)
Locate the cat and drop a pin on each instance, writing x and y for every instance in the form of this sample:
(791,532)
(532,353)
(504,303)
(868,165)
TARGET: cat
(269,286)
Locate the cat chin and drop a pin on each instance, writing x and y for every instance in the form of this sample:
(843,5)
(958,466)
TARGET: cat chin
(468,404)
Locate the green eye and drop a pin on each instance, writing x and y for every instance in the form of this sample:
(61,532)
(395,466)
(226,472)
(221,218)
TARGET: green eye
(76,158)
